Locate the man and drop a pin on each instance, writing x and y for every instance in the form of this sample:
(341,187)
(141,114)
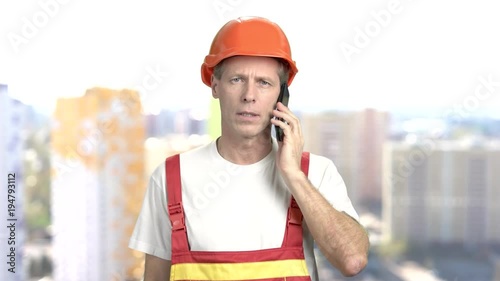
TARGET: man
(224,211)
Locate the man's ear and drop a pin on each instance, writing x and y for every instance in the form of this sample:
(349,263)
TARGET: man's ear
(213,84)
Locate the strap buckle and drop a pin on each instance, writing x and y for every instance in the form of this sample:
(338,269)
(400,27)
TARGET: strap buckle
(176,213)
(294,213)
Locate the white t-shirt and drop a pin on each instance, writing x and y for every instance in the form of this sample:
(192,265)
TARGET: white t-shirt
(230,207)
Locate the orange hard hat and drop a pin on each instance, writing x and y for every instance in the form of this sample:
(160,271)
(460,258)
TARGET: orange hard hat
(248,36)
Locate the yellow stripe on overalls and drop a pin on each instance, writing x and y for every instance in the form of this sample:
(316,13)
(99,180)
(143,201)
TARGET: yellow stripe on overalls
(238,271)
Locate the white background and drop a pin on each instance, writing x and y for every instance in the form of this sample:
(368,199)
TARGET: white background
(429,53)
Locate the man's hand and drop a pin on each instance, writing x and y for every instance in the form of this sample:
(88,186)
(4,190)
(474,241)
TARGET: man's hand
(290,150)
(341,239)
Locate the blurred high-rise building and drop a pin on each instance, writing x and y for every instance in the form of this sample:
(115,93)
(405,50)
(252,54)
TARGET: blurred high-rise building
(186,122)
(12,235)
(496,266)
(442,192)
(98,180)
(160,124)
(354,142)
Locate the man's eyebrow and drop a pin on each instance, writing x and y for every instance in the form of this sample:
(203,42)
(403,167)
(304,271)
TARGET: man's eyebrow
(263,77)
(245,76)
(258,77)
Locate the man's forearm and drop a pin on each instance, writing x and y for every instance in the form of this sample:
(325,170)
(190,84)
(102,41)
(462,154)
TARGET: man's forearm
(156,269)
(341,239)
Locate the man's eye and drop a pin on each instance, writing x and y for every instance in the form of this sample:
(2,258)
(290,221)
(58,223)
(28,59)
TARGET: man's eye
(236,79)
(265,83)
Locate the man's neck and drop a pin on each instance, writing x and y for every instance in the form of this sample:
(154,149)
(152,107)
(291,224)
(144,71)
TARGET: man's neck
(244,152)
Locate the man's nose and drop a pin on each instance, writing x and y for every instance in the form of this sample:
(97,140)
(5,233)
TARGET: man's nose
(249,93)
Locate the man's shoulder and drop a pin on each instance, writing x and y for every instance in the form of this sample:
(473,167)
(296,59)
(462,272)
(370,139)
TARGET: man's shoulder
(321,166)
(319,160)
(198,152)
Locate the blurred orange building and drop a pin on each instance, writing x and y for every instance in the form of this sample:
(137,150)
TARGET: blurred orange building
(97,185)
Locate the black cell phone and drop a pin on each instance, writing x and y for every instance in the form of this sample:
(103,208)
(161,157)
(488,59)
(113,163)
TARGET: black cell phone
(283,98)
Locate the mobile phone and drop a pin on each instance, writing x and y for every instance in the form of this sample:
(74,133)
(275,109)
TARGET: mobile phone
(283,98)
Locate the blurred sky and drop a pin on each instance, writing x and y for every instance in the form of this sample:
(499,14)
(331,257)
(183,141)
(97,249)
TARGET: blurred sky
(426,53)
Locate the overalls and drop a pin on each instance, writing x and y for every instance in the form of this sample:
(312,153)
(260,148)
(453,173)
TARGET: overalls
(284,263)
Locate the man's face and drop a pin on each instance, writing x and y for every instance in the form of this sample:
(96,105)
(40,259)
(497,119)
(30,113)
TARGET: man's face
(247,90)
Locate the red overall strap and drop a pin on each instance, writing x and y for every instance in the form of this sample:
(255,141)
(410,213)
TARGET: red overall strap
(174,204)
(293,231)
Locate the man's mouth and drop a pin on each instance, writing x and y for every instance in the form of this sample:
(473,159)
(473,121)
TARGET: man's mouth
(248,114)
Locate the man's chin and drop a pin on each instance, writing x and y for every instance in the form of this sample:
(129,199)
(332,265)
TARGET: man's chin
(253,134)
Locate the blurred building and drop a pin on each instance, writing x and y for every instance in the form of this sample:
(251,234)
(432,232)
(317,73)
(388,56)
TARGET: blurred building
(354,142)
(442,191)
(98,180)
(184,122)
(496,266)
(160,124)
(158,149)
(12,234)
